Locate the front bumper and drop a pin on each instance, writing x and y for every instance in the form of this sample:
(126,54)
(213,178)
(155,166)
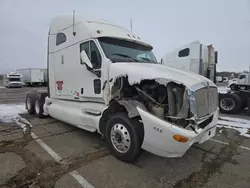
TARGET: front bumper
(14,85)
(158,135)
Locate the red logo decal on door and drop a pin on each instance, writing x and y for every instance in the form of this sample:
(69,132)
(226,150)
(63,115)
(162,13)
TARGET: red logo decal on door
(59,85)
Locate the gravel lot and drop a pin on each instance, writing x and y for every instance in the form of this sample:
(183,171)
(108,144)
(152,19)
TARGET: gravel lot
(77,158)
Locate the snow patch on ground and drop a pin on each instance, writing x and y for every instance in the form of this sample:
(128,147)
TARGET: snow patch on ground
(241,125)
(9,112)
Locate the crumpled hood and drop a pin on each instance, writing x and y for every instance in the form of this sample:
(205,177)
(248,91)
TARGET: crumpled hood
(139,71)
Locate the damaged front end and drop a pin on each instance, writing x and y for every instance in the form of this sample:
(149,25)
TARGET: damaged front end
(168,100)
(174,116)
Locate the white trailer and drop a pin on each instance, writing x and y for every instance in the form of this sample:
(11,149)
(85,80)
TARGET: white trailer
(103,78)
(32,76)
(45,76)
(195,57)
(12,79)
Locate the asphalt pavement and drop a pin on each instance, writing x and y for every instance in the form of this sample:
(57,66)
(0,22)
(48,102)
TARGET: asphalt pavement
(50,153)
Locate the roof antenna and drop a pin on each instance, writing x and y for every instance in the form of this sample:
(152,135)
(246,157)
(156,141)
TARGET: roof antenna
(74,33)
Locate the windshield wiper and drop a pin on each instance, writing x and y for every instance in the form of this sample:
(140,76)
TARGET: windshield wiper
(126,56)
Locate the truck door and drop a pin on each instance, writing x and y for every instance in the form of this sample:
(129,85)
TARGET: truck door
(242,79)
(91,86)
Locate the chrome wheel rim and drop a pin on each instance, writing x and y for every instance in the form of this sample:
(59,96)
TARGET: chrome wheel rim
(120,138)
(227,104)
(37,107)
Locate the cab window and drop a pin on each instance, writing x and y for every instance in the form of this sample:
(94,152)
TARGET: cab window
(60,38)
(242,76)
(184,52)
(93,53)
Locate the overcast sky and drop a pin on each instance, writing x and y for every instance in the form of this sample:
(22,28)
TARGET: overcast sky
(166,24)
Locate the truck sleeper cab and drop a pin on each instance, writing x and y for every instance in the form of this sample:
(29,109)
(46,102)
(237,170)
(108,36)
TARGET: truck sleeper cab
(104,78)
(194,56)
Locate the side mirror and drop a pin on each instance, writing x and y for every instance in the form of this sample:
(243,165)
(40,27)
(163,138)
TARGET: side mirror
(85,59)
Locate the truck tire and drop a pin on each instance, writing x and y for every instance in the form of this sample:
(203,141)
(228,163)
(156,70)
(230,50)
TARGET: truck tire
(248,106)
(232,87)
(230,103)
(30,103)
(39,102)
(124,138)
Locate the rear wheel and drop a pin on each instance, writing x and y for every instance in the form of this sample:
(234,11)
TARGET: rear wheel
(123,137)
(30,103)
(230,103)
(248,106)
(39,102)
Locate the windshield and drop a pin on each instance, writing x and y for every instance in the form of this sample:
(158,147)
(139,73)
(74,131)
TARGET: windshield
(119,50)
(14,79)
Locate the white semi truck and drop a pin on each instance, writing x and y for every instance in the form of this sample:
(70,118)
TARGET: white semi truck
(195,57)
(32,76)
(237,97)
(12,79)
(242,79)
(104,78)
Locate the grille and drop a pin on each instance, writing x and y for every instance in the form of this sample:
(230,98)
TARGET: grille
(206,101)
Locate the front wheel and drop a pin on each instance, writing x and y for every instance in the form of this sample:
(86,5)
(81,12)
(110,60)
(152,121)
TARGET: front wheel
(123,137)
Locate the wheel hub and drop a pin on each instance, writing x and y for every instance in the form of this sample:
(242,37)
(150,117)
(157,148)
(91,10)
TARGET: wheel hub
(120,138)
(227,104)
